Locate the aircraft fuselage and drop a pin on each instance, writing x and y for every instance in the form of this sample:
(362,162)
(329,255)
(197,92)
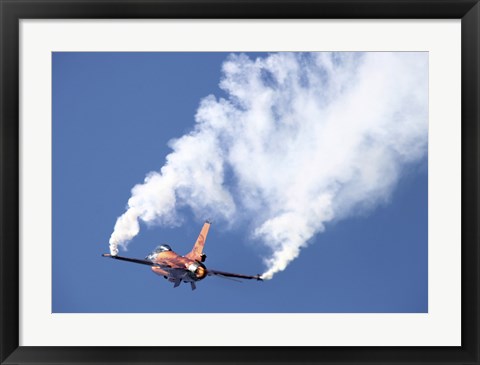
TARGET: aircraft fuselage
(178,268)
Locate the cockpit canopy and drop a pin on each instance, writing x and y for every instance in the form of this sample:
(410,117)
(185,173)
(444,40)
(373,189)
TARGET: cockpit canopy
(162,248)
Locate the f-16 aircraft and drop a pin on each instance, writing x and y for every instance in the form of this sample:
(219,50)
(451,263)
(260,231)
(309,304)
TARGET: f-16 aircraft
(178,269)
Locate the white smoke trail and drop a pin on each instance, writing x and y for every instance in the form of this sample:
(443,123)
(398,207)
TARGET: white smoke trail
(303,139)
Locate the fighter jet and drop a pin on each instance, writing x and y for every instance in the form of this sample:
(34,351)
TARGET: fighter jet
(188,268)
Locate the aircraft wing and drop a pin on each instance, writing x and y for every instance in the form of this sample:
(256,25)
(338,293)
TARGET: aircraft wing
(197,250)
(232,275)
(161,265)
(136,261)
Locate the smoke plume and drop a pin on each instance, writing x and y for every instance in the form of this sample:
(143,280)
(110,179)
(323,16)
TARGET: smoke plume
(301,139)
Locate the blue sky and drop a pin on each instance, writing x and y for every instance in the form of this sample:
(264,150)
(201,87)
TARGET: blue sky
(113,116)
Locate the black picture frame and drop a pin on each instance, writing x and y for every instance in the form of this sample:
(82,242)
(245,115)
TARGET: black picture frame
(13,10)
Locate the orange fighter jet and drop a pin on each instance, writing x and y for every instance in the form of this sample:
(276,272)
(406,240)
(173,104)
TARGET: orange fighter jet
(176,268)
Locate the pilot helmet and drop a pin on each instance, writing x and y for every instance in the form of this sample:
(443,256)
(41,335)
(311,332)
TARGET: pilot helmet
(163,248)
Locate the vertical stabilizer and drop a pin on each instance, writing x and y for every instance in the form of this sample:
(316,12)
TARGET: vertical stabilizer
(197,250)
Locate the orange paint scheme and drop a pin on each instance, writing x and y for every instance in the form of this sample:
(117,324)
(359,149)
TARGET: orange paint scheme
(197,251)
(170,259)
(176,268)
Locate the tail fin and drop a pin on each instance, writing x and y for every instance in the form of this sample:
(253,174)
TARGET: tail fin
(197,250)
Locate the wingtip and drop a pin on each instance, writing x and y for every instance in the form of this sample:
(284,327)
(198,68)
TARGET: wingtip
(106,255)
